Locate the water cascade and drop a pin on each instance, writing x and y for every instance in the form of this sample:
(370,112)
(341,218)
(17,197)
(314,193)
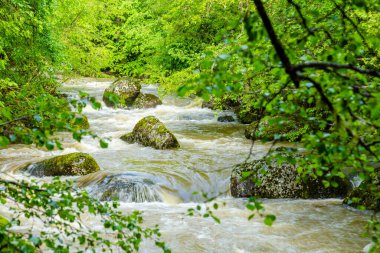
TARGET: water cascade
(161,183)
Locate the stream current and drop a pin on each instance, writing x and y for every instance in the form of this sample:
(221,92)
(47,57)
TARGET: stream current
(209,150)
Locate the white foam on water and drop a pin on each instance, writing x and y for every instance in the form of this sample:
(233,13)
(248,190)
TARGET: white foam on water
(209,150)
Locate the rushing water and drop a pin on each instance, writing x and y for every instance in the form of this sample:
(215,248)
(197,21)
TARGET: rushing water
(209,149)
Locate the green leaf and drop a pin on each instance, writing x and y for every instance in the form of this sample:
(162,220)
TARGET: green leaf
(103,143)
(269,219)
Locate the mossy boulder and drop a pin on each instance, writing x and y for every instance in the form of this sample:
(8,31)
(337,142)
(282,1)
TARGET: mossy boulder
(274,180)
(151,132)
(276,128)
(80,121)
(146,100)
(3,221)
(74,164)
(125,91)
(367,195)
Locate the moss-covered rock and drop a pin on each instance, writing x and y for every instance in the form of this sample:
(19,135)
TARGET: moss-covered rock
(274,180)
(80,121)
(3,221)
(146,100)
(367,195)
(150,132)
(74,164)
(124,90)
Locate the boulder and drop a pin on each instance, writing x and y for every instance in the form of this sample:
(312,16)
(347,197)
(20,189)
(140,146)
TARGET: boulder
(74,164)
(150,132)
(126,187)
(146,100)
(274,180)
(80,121)
(226,118)
(124,90)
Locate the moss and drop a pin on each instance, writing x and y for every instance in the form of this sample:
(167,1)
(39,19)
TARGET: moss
(144,100)
(80,121)
(150,132)
(128,138)
(74,164)
(124,90)
(274,180)
(3,221)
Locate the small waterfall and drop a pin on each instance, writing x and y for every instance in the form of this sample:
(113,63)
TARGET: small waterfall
(126,187)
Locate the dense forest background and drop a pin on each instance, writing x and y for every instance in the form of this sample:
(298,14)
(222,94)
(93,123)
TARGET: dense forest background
(310,68)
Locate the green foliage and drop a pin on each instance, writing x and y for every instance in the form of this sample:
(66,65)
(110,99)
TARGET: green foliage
(58,206)
(316,62)
(31,108)
(85,30)
(373,229)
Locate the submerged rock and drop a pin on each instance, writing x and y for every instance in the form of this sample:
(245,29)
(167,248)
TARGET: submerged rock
(124,90)
(151,132)
(146,100)
(124,187)
(275,180)
(74,164)
(226,118)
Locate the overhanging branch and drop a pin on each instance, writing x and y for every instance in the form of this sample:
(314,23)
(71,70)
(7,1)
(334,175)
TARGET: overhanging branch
(327,65)
(276,42)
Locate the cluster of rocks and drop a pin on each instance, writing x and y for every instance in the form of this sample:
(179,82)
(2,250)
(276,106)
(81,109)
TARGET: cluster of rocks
(275,178)
(126,93)
(101,185)
(149,132)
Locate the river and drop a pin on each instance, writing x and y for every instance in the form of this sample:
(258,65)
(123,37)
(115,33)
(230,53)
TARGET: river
(203,164)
